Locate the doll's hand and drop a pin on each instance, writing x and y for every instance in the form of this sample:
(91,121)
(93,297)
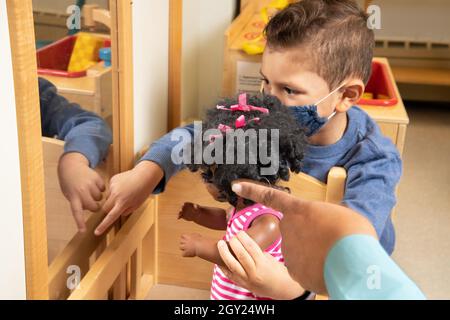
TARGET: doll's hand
(188,244)
(189,211)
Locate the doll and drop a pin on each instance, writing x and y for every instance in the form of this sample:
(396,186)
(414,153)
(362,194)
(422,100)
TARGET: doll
(268,121)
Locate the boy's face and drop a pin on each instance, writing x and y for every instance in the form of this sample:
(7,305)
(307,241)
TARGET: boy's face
(289,75)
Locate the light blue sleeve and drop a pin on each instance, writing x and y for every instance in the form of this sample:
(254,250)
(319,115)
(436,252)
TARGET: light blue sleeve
(357,267)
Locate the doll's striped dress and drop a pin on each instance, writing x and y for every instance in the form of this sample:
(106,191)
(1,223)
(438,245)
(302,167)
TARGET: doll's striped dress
(223,288)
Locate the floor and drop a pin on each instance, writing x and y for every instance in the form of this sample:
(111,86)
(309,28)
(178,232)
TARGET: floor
(423,214)
(423,211)
(166,292)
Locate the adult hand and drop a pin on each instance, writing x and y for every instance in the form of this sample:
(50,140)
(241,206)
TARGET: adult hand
(81,185)
(256,270)
(309,230)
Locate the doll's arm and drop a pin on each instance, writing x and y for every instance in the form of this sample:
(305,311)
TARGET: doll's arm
(264,230)
(209,217)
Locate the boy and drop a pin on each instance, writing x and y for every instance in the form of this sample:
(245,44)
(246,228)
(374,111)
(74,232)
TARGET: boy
(87,140)
(318,51)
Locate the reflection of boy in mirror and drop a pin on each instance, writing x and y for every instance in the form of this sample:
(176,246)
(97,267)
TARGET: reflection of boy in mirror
(87,139)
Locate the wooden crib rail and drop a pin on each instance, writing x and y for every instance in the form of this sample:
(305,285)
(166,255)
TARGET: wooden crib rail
(78,248)
(126,245)
(76,253)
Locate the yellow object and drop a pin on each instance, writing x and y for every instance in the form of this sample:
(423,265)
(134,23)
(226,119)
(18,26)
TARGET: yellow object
(367,95)
(85,52)
(257,45)
(275,4)
(382,97)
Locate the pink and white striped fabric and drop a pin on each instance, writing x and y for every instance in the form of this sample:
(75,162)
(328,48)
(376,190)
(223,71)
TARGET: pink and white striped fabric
(223,288)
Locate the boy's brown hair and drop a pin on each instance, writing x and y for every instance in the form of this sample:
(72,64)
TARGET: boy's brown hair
(333,33)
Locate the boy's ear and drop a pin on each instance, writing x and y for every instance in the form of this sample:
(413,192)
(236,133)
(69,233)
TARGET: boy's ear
(352,92)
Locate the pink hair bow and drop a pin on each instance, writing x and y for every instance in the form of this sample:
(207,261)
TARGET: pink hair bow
(243,106)
(239,123)
(224,128)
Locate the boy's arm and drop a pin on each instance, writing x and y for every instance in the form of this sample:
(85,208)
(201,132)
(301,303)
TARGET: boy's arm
(129,189)
(209,217)
(87,140)
(160,152)
(84,132)
(264,230)
(370,189)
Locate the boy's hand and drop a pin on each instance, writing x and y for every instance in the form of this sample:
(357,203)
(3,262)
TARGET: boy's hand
(189,211)
(188,244)
(81,185)
(128,190)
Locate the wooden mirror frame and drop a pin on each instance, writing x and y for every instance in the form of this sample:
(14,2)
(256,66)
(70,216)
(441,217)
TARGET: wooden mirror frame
(140,271)
(22,40)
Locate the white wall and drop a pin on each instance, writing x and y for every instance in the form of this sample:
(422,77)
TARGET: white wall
(415,20)
(204,25)
(151,65)
(12,266)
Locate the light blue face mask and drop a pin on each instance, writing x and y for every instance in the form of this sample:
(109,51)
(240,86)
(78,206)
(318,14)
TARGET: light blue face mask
(308,117)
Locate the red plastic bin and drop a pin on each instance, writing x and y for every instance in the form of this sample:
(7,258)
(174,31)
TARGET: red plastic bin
(54,59)
(381,86)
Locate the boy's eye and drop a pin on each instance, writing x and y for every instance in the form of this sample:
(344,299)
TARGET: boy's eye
(289,90)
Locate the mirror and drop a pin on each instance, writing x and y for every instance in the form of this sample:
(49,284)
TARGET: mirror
(73,51)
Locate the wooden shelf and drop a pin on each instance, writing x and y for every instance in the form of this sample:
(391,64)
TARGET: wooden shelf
(418,75)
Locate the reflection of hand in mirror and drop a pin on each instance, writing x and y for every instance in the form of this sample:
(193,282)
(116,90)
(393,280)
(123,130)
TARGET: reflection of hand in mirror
(81,185)
(87,139)
(128,191)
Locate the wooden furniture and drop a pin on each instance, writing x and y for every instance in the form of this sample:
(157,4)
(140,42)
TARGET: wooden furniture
(309,188)
(93,92)
(65,247)
(392,120)
(20,20)
(175,56)
(92,14)
(418,63)
(61,227)
(114,265)
(126,248)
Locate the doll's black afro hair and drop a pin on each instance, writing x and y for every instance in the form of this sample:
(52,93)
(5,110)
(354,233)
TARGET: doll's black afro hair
(292,143)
